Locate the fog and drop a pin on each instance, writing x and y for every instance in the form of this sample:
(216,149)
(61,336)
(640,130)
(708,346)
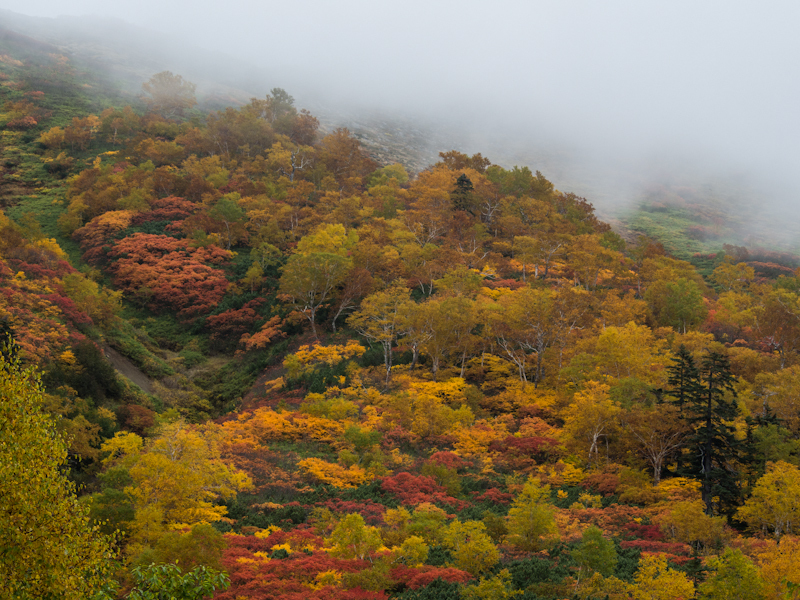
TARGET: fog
(605,98)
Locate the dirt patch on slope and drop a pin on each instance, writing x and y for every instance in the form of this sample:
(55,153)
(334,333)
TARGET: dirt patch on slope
(127,368)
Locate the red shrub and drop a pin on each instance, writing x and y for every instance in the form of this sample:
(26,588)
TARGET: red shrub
(451,460)
(406,483)
(286,579)
(493,495)
(25,122)
(371,511)
(653,546)
(417,577)
(646,532)
(416,489)
(68,308)
(167,272)
(166,209)
(605,483)
(234,322)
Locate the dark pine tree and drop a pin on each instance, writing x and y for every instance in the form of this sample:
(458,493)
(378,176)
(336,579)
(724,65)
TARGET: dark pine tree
(462,195)
(684,381)
(714,449)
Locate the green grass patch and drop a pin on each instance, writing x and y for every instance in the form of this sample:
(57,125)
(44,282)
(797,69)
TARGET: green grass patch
(134,344)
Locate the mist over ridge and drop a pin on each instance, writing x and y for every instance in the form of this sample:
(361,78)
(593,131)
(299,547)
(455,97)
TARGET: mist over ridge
(614,102)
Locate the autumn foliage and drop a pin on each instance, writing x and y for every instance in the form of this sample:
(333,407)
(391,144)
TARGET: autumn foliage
(379,384)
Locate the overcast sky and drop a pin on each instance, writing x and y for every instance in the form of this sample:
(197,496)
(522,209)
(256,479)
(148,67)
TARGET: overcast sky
(709,81)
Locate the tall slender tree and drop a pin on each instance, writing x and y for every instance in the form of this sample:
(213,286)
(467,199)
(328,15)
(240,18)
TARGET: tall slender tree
(710,407)
(684,383)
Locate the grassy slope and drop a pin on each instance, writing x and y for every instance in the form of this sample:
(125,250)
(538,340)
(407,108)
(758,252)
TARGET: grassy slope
(28,190)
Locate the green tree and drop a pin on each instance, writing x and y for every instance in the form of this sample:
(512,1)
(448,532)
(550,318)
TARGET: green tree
(201,546)
(280,106)
(595,554)
(169,95)
(162,582)
(677,304)
(766,440)
(735,578)
(683,378)
(230,214)
(309,280)
(48,549)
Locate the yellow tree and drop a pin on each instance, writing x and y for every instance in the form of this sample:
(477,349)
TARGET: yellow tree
(589,259)
(589,420)
(353,538)
(779,567)
(656,581)
(539,251)
(412,552)
(620,308)
(627,355)
(522,326)
(177,477)
(775,502)
(101,304)
(331,237)
(531,518)
(780,392)
(659,432)
(499,587)
(779,322)
(343,157)
(531,321)
(429,208)
(379,318)
(472,548)
(48,549)
(688,523)
(52,138)
(452,321)
(309,281)
(732,277)
(312,275)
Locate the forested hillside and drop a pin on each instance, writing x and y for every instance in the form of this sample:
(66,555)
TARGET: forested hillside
(283,370)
